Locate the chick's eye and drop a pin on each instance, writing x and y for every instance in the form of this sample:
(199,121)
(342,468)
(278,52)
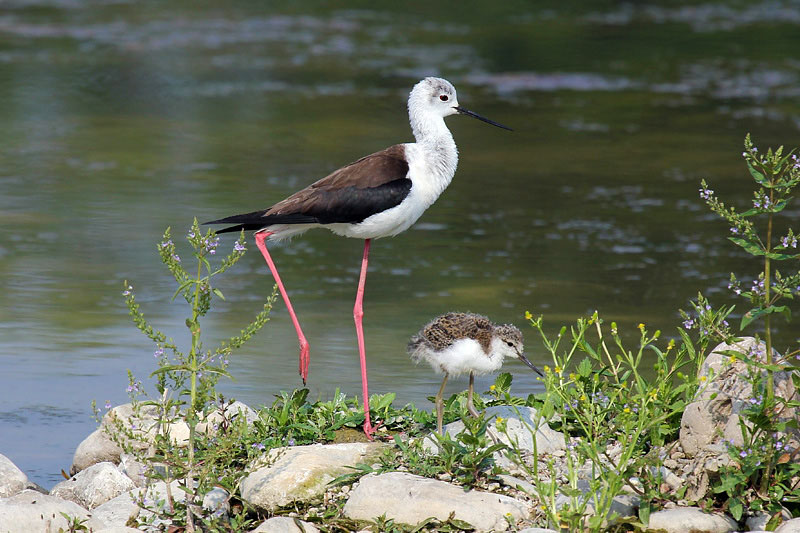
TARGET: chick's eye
(443,98)
(510,343)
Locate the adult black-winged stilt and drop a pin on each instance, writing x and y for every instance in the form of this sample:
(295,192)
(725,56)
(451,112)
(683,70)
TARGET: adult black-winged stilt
(460,343)
(379,195)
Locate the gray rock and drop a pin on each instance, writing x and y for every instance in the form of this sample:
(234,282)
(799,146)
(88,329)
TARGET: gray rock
(683,519)
(232,412)
(133,468)
(727,391)
(790,526)
(217,501)
(285,524)
(517,483)
(537,530)
(623,505)
(519,428)
(114,513)
(12,479)
(300,473)
(117,529)
(410,499)
(96,448)
(94,486)
(33,512)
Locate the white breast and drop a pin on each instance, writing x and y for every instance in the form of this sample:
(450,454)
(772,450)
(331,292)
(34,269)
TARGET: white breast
(461,357)
(431,169)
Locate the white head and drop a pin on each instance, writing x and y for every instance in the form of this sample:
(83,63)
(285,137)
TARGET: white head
(507,342)
(435,96)
(431,100)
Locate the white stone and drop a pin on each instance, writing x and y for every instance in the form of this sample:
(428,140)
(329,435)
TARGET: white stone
(133,468)
(33,512)
(410,499)
(115,512)
(300,473)
(217,501)
(727,391)
(117,529)
(537,530)
(96,448)
(93,486)
(12,479)
(232,412)
(623,505)
(284,524)
(519,428)
(683,519)
(790,526)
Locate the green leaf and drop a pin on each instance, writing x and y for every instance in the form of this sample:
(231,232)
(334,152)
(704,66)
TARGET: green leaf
(758,176)
(750,247)
(219,293)
(503,382)
(736,508)
(585,368)
(759,312)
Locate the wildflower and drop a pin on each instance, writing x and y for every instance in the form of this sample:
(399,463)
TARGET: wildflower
(706,193)
(735,231)
(258,446)
(499,420)
(159,352)
(291,442)
(546,369)
(558,370)
(108,404)
(670,344)
(742,453)
(688,323)
(703,378)
(176,258)
(191,234)
(626,410)
(166,243)
(641,327)
(239,247)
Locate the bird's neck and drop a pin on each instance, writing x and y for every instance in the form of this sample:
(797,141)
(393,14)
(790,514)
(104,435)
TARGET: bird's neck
(437,144)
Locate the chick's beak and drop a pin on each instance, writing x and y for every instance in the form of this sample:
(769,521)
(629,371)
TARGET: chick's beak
(531,365)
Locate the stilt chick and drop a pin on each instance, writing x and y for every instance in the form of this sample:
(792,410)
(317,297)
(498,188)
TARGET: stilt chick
(461,343)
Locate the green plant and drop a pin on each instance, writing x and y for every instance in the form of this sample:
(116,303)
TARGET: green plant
(612,414)
(759,476)
(75,524)
(185,381)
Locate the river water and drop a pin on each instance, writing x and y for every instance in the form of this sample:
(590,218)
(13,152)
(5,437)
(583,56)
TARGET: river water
(122,118)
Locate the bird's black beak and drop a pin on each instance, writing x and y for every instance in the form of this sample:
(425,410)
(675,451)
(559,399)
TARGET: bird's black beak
(525,360)
(465,111)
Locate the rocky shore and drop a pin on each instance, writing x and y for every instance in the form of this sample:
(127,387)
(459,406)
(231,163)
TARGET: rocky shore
(291,486)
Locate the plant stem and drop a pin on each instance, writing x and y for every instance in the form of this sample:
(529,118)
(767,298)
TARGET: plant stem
(769,393)
(191,417)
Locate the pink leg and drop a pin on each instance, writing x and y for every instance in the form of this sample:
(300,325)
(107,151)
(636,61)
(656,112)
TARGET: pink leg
(358,315)
(304,351)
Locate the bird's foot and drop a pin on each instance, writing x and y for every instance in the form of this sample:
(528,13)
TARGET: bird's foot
(305,359)
(474,412)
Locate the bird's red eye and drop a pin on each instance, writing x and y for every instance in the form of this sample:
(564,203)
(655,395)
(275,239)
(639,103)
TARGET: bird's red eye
(443,98)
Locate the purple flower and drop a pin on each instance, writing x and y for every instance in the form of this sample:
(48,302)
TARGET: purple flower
(166,243)
(291,442)
(176,258)
(706,193)
(258,446)
(688,323)
(239,247)
(108,404)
